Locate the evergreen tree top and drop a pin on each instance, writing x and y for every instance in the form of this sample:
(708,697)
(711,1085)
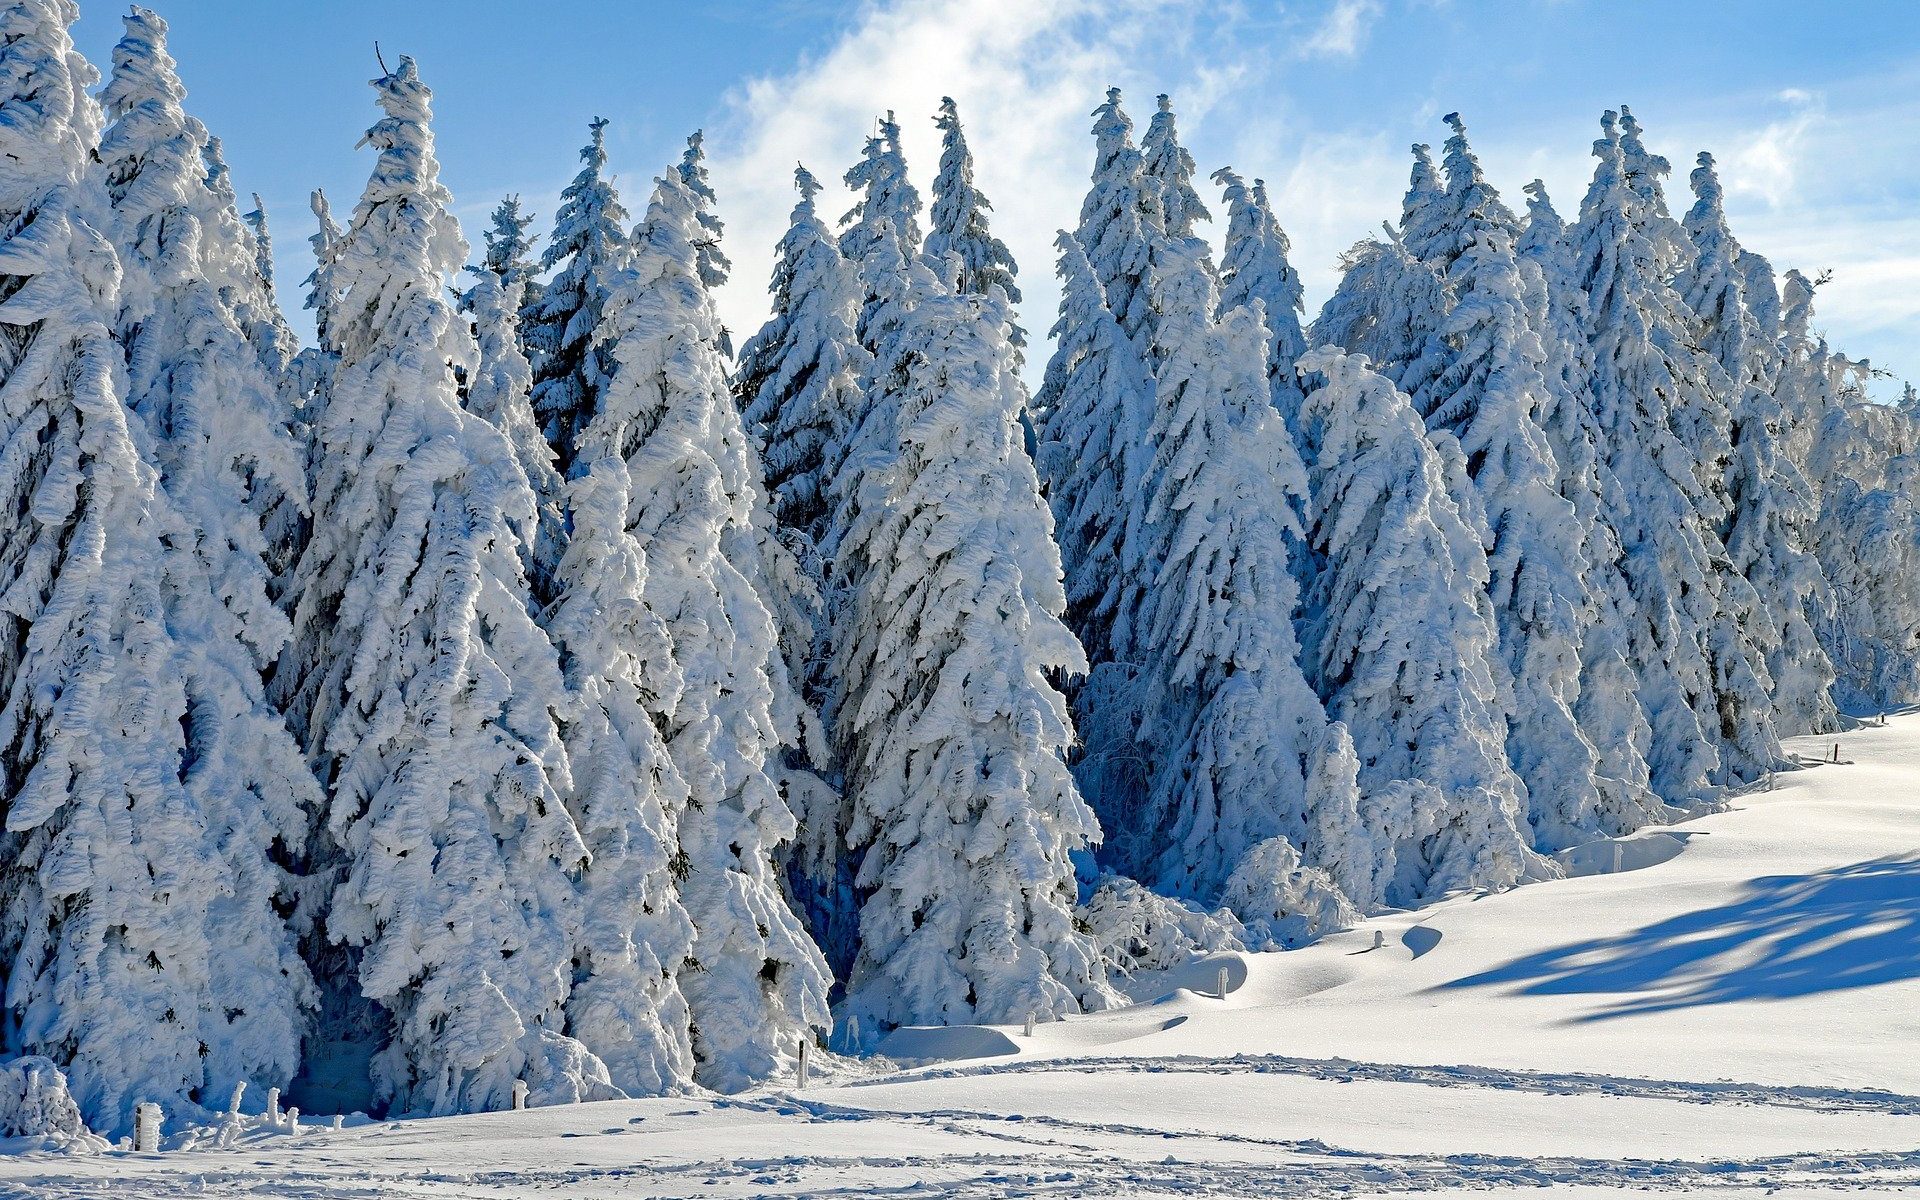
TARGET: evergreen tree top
(714,264)
(959,216)
(1169,164)
(1422,209)
(591,218)
(889,204)
(1474,202)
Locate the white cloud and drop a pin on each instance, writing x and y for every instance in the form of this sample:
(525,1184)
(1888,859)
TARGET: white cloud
(1343,31)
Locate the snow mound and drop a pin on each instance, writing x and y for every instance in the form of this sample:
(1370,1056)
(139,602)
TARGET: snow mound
(1610,855)
(1200,976)
(945,1043)
(38,1113)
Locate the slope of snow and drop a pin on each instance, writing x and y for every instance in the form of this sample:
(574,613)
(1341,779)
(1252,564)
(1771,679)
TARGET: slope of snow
(1741,1013)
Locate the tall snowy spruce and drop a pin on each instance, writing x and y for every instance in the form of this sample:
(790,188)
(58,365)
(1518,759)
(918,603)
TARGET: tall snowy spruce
(1770,505)
(426,693)
(958,217)
(955,760)
(1255,266)
(1645,373)
(883,229)
(1493,397)
(1608,705)
(216,432)
(273,339)
(117,891)
(1402,640)
(1232,724)
(558,329)
(798,380)
(755,982)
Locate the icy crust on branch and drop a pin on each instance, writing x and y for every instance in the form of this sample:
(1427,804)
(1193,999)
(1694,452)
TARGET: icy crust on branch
(1231,721)
(962,800)
(755,982)
(214,427)
(1401,642)
(428,693)
(559,329)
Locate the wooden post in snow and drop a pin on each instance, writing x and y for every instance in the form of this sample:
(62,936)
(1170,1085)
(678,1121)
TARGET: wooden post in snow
(146,1127)
(519,1094)
(800,1067)
(1220,982)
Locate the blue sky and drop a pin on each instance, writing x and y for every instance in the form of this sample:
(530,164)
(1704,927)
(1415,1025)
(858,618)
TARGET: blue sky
(1811,109)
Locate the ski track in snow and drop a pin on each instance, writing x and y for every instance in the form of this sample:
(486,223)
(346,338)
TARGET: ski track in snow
(1335,1070)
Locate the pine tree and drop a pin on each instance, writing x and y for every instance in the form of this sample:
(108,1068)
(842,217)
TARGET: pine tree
(138,944)
(1663,532)
(427,694)
(963,802)
(1120,217)
(1872,628)
(1769,505)
(714,263)
(756,984)
(959,217)
(1493,397)
(1423,210)
(215,427)
(798,378)
(499,390)
(1390,306)
(1233,722)
(1608,705)
(1170,168)
(883,227)
(557,331)
(629,798)
(509,254)
(1402,642)
(1255,266)
(272,338)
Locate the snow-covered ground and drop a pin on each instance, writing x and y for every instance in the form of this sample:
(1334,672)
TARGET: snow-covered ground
(1741,1013)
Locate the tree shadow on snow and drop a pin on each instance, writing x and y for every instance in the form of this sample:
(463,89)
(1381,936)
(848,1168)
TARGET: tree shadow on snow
(1789,935)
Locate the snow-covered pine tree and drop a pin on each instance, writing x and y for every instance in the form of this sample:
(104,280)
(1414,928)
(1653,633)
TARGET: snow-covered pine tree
(1423,209)
(214,427)
(1255,266)
(499,390)
(272,338)
(1872,627)
(799,375)
(1770,508)
(1120,218)
(1608,706)
(1390,307)
(882,227)
(1170,168)
(510,254)
(427,693)
(115,890)
(1400,642)
(955,761)
(755,982)
(323,291)
(958,216)
(798,378)
(557,329)
(1232,723)
(714,263)
(634,935)
(1632,315)
(1493,398)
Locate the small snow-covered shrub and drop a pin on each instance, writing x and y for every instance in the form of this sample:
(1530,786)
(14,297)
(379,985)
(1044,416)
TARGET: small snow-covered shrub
(38,1113)
(1283,903)
(1138,929)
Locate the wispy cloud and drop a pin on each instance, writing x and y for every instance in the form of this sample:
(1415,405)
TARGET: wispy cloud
(1343,31)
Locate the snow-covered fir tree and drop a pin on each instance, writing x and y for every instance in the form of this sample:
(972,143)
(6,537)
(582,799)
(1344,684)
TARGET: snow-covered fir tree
(958,216)
(1770,507)
(1169,167)
(1389,306)
(755,982)
(956,750)
(882,227)
(715,266)
(1872,625)
(1231,721)
(499,390)
(1493,398)
(628,799)
(1401,642)
(273,339)
(214,426)
(112,882)
(1608,705)
(1120,217)
(1633,319)
(558,329)
(797,381)
(1255,266)
(510,253)
(427,695)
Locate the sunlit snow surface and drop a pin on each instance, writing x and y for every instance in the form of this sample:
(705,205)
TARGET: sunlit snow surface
(1742,1015)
